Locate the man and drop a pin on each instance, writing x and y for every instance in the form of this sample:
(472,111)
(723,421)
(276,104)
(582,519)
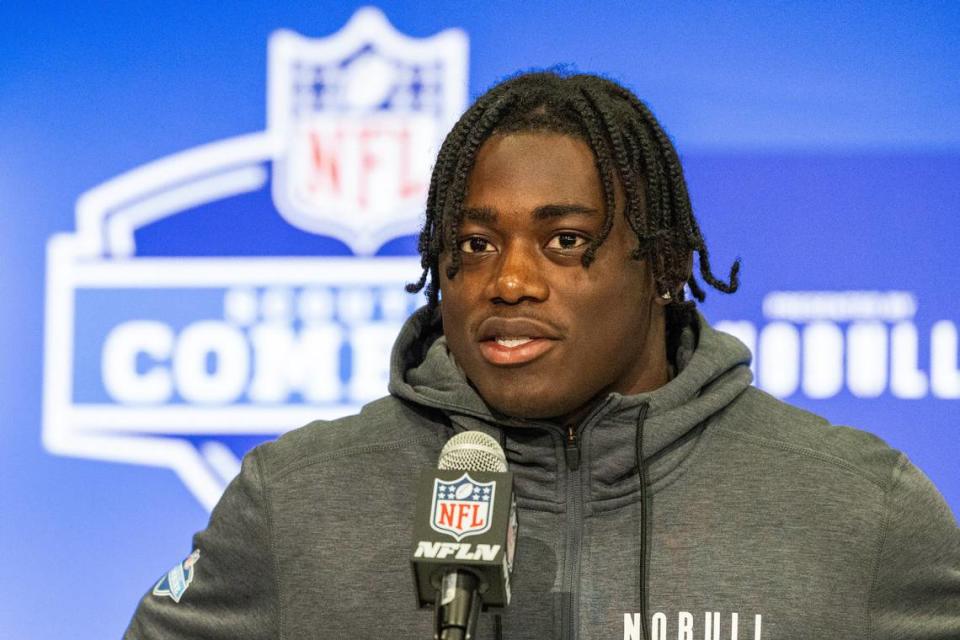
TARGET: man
(660,494)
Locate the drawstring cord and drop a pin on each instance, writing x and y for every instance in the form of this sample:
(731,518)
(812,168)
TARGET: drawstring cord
(644,523)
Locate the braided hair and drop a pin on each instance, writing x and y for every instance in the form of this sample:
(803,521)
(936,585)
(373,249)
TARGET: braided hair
(628,144)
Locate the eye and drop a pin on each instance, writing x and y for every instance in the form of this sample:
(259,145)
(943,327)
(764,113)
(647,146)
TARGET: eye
(476,244)
(567,240)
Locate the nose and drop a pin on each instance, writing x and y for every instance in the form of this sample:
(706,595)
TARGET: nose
(519,276)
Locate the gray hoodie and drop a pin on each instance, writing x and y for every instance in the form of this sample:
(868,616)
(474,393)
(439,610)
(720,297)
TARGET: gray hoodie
(762,521)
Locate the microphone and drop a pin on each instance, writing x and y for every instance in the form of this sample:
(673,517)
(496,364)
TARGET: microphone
(468,497)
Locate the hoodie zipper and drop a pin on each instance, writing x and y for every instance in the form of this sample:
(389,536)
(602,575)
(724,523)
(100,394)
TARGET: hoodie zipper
(572,449)
(570,608)
(571,576)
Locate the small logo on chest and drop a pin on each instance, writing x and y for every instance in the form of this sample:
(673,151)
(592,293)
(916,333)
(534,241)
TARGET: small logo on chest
(686,626)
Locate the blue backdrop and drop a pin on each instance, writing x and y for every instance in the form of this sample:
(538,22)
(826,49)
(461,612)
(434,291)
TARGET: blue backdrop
(821,142)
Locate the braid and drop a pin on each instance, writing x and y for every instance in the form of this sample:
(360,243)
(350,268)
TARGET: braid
(430,243)
(622,157)
(693,236)
(628,144)
(454,210)
(602,153)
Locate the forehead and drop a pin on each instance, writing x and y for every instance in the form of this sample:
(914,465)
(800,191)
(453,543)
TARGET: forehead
(521,171)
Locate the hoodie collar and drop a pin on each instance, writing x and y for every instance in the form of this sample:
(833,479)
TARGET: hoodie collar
(712,369)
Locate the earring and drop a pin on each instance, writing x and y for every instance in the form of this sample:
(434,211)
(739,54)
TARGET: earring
(666,296)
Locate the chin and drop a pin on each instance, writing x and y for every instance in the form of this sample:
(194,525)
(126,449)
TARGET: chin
(528,405)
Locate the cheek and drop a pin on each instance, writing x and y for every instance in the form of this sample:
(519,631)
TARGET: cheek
(455,312)
(609,311)
(605,294)
(453,320)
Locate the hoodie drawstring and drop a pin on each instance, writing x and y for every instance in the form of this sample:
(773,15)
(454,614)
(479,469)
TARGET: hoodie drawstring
(644,524)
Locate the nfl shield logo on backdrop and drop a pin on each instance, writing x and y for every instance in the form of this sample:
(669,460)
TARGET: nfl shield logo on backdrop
(360,116)
(463,507)
(184,350)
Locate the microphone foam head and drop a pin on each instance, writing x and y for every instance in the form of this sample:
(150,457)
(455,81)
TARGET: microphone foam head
(472,451)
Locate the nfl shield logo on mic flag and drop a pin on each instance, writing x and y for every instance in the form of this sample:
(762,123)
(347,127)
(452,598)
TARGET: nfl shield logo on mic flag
(462,507)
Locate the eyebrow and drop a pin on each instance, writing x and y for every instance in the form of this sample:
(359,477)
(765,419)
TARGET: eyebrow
(543,212)
(549,211)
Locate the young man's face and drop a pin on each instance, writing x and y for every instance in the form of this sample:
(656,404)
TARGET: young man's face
(537,334)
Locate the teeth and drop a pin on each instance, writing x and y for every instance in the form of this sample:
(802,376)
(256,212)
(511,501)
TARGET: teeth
(512,342)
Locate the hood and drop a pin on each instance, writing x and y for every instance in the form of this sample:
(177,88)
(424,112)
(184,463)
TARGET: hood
(712,370)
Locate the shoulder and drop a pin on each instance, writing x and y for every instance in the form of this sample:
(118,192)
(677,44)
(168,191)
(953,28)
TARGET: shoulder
(759,419)
(381,428)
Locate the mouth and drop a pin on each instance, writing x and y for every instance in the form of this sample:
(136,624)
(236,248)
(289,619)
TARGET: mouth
(515,341)
(514,350)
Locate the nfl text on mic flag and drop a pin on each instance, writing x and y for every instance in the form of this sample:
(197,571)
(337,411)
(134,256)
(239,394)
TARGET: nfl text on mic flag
(464,534)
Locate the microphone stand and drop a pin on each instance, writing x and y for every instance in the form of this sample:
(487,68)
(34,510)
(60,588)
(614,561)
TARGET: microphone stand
(458,606)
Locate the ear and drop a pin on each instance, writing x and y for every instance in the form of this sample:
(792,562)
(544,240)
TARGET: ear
(660,300)
(675,291)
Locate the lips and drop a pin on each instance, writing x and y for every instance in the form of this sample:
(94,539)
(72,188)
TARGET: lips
(515,341)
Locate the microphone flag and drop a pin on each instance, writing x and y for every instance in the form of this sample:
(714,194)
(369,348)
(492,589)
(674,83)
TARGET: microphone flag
(464,520)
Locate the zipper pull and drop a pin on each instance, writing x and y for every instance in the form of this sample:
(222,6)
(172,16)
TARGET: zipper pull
(572,449)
